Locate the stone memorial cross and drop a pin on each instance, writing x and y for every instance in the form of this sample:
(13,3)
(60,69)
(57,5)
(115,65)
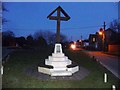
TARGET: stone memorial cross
(58,18)
(58,64)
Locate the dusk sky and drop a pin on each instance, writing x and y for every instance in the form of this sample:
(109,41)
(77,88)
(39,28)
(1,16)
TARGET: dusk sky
(25,18)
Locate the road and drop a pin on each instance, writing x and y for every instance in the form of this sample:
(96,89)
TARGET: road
(108,61)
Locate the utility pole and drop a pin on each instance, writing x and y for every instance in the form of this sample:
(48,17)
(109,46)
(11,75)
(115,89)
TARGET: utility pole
(81,36)
(81,40)
(104,27)
(71,38)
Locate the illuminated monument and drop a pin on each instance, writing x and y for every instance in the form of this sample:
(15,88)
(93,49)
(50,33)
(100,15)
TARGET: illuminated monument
(58,64)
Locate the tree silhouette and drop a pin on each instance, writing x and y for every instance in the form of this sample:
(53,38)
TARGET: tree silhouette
(21,41)
(8,38)
(115,25)
(41,41)
(2,9)
(49,36)
(30,41)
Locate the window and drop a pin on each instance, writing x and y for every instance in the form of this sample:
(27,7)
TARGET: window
(93,39)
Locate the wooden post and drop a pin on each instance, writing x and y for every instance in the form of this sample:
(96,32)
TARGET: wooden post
(58,27)
(104,41)
(58,18)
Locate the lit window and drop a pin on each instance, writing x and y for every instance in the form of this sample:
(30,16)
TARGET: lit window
(93,39)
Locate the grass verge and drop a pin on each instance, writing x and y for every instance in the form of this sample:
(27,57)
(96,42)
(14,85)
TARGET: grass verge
(14,76)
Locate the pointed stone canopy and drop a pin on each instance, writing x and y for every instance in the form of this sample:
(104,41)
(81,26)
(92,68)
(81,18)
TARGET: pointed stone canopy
(59,9)
(58,18)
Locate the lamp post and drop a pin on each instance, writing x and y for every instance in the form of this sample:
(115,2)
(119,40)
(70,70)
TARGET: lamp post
(102,33)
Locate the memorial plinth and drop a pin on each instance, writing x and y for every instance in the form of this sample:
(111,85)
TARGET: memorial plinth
(58,64)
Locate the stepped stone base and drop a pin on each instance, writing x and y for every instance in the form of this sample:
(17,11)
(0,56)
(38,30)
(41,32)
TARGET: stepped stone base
(58,64)
(61,73)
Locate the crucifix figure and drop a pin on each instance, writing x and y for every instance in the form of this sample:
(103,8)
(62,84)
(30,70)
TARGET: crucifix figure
(58,18)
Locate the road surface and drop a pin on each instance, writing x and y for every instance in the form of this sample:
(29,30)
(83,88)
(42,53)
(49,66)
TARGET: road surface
(109,61)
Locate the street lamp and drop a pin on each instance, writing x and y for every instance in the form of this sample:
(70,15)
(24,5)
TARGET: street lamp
(102,33)
(73,46)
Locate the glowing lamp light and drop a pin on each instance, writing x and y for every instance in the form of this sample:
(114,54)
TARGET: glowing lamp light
(100,33)
(80,40)
(73,46)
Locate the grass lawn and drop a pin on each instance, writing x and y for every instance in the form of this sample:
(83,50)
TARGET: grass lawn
(14,76)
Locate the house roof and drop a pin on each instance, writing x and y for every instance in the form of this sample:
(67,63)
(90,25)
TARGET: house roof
(92,35)
(111,30)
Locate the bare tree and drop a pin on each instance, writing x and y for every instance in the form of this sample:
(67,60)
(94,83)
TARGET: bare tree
(2,9)
(115,25)
(63,38)
(8,38)
(0,16)
(49,36)
(30,40)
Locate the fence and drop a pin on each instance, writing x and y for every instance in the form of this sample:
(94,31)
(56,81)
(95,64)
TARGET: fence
(114,49)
